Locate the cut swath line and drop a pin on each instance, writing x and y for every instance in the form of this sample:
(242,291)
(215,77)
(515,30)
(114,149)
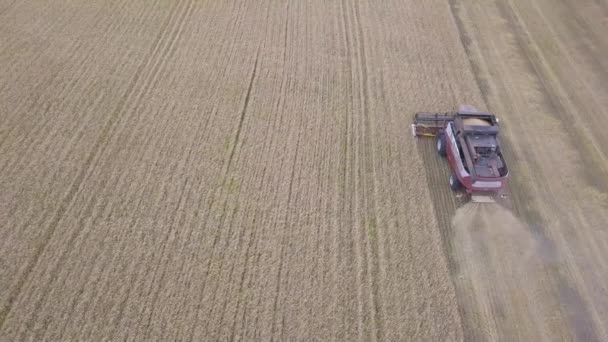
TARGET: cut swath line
(374,264)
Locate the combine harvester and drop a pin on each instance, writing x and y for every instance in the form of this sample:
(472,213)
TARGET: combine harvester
(469,140)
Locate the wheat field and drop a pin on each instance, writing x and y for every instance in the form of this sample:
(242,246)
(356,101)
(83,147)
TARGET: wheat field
(244,170)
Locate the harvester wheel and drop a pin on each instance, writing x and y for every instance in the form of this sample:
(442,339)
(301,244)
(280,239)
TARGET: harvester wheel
(454,182)
(441,145)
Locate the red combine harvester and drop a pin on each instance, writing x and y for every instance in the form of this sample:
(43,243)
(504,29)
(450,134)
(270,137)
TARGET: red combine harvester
(469,140)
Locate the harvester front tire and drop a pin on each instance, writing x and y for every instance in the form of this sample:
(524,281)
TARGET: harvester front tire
(454,182)
(441,148)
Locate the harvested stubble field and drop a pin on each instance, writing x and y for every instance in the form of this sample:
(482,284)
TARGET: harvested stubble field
(214,170)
